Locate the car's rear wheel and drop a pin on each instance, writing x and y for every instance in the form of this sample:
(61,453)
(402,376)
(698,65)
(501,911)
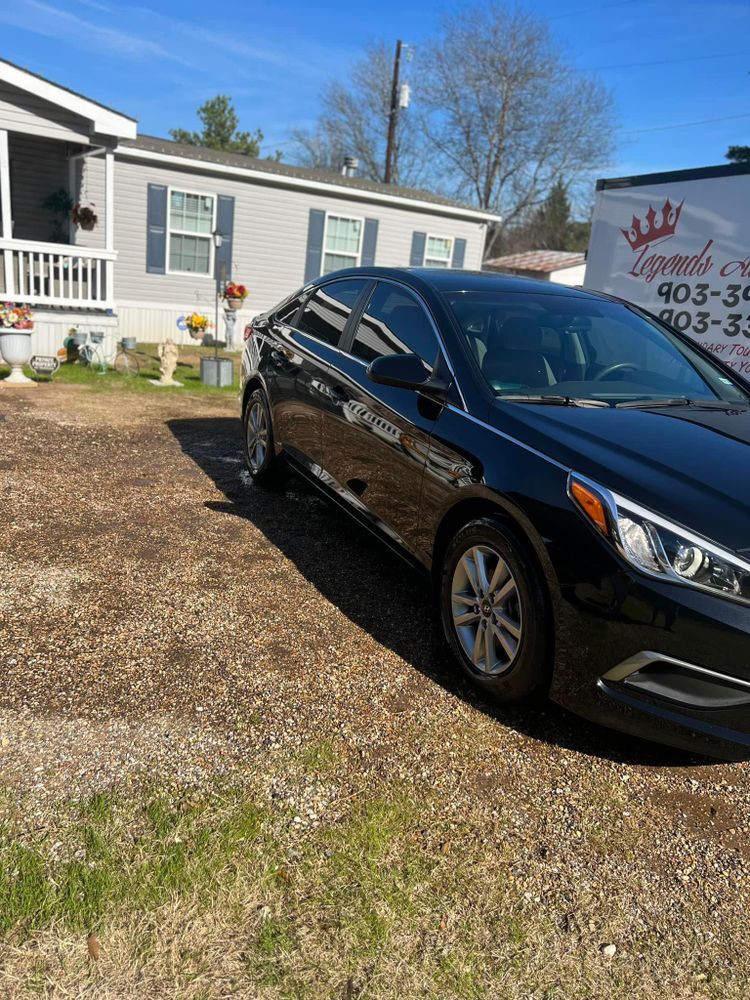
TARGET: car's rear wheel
(260,457)
(494,611)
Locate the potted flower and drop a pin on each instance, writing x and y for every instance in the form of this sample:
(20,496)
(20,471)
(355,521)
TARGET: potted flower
(16,324)
(84,216)
(197,325)
(234,294)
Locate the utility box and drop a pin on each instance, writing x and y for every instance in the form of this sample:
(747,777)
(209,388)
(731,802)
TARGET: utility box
(217,371)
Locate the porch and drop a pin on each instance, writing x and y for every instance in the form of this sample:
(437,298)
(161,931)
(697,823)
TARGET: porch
(56,152)
(49,264)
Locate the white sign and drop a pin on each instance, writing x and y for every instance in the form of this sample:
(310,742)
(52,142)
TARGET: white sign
(679,246)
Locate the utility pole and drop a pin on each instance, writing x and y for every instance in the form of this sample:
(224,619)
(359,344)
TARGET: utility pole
(393,116)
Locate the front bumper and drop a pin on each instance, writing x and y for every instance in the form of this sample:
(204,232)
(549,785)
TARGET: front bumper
(654,659)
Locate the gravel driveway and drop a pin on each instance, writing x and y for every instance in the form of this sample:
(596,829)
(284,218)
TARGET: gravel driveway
(162,618)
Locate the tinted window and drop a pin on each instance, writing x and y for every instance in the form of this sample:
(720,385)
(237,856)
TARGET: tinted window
(327,310)
(394,322)
(565,345)
(288,310)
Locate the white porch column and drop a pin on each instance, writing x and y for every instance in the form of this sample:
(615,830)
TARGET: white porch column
(109,221)
(6,222)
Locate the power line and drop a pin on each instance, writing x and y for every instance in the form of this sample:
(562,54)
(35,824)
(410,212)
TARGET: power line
(666,62)
(705,121)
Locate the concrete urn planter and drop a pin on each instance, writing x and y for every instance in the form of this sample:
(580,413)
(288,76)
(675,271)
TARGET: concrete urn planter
(15,347)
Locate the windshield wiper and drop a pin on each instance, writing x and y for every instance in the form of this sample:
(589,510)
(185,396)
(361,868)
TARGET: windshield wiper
(550,400)
(708,404)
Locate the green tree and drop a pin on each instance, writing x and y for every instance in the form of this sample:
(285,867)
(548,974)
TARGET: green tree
(220,131)
(738,154)
(551,222)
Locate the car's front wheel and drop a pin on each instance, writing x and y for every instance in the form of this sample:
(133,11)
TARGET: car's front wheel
(260,457)
(494,611)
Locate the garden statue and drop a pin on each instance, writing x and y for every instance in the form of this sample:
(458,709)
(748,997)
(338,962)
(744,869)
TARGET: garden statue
(168,356)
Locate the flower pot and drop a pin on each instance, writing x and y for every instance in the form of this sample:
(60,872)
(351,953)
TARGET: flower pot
(87,224)
(234,303)
(128,343)
(15,346)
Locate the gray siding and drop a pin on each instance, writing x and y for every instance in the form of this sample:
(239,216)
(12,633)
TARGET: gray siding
(38,167)
(270,235)
(22,112)
(88,189)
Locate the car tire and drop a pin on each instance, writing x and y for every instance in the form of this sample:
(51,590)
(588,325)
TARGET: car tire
(503,638)
(261,460)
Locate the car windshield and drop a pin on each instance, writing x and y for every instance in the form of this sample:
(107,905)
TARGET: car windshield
(574,348)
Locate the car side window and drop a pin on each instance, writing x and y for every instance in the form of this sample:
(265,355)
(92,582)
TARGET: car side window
(394,322)
(325,313)
(288,310)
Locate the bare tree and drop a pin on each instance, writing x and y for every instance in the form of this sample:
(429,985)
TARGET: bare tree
(506,115)
(354,122)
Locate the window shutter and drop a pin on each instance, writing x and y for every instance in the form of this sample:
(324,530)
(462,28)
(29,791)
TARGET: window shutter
(156,229)
(314,257)
(418,242)
(369,242)
(225,226)
(459,253)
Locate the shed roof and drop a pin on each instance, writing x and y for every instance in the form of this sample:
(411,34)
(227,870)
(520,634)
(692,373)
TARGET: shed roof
(542,261)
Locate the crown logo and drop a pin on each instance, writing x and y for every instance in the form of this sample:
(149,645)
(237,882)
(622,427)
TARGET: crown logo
(655,227)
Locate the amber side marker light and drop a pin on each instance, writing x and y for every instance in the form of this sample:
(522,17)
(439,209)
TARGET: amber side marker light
(591,505)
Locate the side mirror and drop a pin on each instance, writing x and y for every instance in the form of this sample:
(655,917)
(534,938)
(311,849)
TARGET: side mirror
(405,371)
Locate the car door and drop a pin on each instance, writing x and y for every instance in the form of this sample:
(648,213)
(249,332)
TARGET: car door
(297,367)
(376,437)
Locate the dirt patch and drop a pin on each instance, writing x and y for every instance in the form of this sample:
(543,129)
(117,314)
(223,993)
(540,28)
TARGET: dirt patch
(164,620)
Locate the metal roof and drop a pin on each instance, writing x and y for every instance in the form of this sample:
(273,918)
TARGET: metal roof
(209,157)
(543,261)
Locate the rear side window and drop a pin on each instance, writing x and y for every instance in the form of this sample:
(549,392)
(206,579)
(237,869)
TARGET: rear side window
(327,310)
(394,322)
(287,311)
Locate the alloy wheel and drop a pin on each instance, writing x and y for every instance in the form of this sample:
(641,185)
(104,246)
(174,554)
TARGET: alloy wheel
(486,609)
(257,436)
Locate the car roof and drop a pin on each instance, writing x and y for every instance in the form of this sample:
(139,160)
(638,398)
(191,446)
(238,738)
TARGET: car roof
(454,280)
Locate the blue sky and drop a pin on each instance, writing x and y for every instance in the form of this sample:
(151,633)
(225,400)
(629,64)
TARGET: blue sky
(668,62)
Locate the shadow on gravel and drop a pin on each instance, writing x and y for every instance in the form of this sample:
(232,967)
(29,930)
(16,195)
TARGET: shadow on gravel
(377,592)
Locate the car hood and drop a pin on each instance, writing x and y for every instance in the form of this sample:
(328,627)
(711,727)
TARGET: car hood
(688,463)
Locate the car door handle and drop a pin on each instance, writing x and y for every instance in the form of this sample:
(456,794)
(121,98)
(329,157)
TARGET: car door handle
(339,394)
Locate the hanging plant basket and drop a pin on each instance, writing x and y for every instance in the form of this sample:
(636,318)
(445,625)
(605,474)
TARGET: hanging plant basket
(84,217)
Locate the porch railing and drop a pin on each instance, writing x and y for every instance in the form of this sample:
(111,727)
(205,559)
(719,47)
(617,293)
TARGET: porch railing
(53,274)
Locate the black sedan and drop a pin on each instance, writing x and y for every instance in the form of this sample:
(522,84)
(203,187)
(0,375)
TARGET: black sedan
(573,473)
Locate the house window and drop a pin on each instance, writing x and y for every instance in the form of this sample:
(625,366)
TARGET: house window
(191,221)
(342,244)
(438,251)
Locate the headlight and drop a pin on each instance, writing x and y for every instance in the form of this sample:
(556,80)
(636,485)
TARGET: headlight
(658,547)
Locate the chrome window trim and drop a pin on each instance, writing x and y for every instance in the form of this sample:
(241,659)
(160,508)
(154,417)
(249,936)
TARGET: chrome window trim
(646,657)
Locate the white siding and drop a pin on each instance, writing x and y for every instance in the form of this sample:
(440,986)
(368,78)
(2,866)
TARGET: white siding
(270,236)
(23,112)
(569,275)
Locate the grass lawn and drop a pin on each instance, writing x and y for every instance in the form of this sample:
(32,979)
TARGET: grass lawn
(187,372)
